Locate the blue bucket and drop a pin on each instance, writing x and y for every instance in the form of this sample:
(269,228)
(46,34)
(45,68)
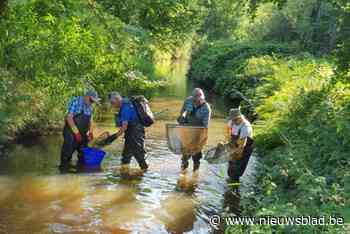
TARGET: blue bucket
(93,156)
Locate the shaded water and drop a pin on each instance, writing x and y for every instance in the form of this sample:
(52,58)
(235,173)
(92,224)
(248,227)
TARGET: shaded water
(35,198)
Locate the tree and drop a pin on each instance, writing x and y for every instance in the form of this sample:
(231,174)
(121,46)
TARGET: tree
(338,30)
(167,22)
(221,18)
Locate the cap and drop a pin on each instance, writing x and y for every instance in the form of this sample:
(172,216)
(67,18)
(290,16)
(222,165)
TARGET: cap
(235,113)
(93,95)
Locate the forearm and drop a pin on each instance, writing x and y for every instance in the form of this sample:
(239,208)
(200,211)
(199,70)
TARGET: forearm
(91,126)
(227,132)
(240,145)
(186,107)
(71,124)
(122,130)
(182,110)
(119,132)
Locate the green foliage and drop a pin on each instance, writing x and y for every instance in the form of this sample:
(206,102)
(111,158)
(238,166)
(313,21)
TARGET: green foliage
(321,24)
(221,18)
(53,45)
(282,80)
(302,102)
(343,42)
(166,22)
(222,66)
(310,23)
(302,133)
(24,108)
(307,174)
(57,49)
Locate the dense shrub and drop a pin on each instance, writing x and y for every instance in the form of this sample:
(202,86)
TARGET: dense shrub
(302,134)
(51,50)
(307,173)
(220,65)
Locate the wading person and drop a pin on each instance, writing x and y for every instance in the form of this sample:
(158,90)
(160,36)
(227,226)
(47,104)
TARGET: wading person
(195,112)
(77,130)
(240,134)
(134,131)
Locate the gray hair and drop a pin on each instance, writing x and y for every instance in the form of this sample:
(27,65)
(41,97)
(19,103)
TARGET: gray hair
(198,92)
(114,95)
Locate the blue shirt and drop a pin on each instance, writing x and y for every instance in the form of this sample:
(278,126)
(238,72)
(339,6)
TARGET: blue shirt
(202,113)
(77,106)
(127,113)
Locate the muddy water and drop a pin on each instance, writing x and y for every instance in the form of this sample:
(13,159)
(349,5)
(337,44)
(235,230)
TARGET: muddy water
(35,198)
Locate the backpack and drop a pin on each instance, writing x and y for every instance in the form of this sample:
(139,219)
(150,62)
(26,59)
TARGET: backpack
(143,110)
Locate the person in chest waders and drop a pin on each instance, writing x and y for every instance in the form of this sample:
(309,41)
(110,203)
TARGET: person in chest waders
(240,133)
(129,124)
(77,130)
(195,112)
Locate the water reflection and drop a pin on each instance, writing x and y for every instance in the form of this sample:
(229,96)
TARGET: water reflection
(87,169)
(187,183)
(231,203)
(177,213)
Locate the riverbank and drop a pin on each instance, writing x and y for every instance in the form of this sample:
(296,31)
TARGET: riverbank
(58,49)
(301,134)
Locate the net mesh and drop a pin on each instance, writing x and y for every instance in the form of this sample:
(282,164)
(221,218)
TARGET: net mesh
(186,139)
(219,154)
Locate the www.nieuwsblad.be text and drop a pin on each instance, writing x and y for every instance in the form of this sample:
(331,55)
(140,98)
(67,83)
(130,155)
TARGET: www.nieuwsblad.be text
(216,220)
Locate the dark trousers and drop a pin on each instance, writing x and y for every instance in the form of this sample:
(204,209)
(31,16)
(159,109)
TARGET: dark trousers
(236,168)
(195,158)
(70,145)
(134,145)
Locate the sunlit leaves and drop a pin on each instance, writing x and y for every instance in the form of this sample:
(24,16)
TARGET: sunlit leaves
(58,48)
(166,22)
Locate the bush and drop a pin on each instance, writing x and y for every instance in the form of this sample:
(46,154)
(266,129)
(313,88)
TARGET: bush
(302,134)
(52,50)
(221,65)
(308,174)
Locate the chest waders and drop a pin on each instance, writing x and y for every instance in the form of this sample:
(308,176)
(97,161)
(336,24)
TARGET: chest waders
(236,168)
(134,145)
(193,121)
(70,145)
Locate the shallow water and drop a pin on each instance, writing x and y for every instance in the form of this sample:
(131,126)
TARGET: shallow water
(35,198)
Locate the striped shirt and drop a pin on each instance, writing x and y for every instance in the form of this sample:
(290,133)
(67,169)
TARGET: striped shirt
(77,106)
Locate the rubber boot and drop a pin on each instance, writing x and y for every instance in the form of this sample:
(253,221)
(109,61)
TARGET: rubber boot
(144,166)
(64,168)
(65,165)
(196,165)
(184,166)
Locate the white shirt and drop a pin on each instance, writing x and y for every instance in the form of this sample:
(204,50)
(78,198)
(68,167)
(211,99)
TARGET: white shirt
(245,129)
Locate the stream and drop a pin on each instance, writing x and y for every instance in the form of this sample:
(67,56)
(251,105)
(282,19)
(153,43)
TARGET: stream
(36,198)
